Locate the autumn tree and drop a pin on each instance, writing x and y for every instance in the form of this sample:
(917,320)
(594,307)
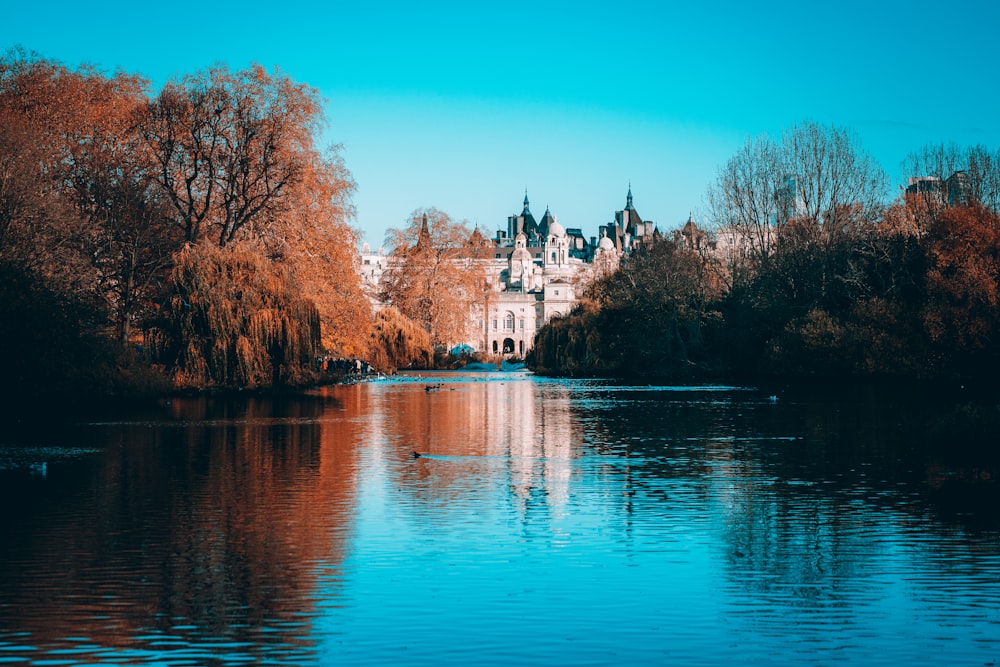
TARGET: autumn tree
(62,135)
(110,172)
(314,238)
(133,245)
(796,212)
(229,147)
(962,313)
(808,193)
(235,319)
(236,161)
(31,203)
(666,296)
(101,188)
(431,277)
(398,342)
(40,229)
(833,191)
(90,222)
(832,182)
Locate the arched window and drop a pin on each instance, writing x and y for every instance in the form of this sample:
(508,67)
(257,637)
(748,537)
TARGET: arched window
(508,321)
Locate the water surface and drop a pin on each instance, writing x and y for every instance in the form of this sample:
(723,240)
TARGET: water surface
(543,522)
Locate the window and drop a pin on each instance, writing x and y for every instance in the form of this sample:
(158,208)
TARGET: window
(522,324)
(494,325)
(556,292)
(508,322)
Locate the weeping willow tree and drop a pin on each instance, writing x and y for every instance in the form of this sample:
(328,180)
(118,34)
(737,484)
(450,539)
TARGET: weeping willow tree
(234,319)
(571,344)
(399,342)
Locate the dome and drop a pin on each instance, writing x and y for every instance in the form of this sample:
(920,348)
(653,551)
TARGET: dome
(520,254)
(555,229)
(605,243)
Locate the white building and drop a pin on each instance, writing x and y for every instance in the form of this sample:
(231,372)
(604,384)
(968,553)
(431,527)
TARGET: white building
(536,272)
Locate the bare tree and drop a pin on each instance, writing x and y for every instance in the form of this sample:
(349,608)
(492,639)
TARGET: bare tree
(803,197)
(984,177)
(953,174)
(229,146)
(744,208)
(833,182)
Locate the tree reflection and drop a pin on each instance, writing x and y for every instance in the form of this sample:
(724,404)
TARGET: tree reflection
(226,527)
(210,525)
(800,486)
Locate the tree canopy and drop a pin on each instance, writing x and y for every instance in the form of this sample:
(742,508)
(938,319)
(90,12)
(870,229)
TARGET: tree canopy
(433,279)
(107,195)
(808,273)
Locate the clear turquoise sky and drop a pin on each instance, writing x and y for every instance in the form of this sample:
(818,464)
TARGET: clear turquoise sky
(462,106)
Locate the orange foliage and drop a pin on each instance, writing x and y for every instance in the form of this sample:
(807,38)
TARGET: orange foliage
(319,246)
(398,342)
(235,319)
(229,148)
(433,280)
(99,186)
(962,277)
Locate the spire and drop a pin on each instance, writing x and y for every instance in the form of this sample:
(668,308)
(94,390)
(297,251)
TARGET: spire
(525,202)
(425,234)
(543,224)
(628,200)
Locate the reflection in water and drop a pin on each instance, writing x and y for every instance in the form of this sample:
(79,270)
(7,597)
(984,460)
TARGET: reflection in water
(544,522)
(188,537)
(468,429)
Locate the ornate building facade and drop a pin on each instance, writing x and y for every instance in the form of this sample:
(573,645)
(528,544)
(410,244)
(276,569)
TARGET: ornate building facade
(535,271)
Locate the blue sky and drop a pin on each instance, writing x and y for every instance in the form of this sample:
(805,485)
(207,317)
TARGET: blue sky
(462,106)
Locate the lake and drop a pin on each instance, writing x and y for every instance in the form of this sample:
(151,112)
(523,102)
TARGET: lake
(504,519)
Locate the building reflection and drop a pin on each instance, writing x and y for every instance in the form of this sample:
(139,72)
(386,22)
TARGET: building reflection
(475,432)
(226,527)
